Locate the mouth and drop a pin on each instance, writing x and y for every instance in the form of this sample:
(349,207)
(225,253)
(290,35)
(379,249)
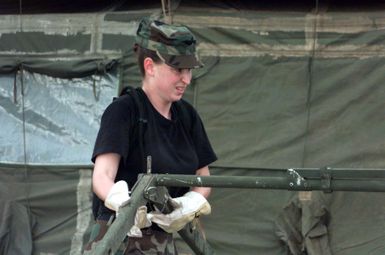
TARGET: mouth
(180,89)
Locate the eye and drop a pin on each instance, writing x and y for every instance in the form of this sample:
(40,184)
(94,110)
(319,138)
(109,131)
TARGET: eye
(181,70)
(177,70)
(187,70)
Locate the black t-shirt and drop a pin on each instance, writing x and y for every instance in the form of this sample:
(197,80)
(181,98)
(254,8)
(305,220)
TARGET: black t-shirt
(175,147)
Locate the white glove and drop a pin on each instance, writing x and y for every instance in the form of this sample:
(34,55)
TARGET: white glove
(141,221)
(118,196)
(189,206)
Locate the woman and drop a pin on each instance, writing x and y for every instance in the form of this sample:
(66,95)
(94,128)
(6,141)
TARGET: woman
(166,55)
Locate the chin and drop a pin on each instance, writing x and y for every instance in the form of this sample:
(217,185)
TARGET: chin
(176,98)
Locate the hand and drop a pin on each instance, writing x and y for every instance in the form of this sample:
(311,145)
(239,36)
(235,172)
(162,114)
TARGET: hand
(118,196)
(187,207)
(141,221)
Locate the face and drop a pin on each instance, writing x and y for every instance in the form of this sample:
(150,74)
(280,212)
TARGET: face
(171,82)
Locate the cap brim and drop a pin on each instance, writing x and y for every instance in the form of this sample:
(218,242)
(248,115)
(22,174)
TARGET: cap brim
(182,61)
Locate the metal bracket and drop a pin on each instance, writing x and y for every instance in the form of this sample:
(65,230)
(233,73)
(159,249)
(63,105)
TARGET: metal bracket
(295,180)
(159,197)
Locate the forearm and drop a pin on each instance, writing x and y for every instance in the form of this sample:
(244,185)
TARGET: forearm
(103,177)
(204,191)
(101,185)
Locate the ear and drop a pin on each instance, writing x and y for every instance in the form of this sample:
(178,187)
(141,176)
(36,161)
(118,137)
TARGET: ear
(148,65)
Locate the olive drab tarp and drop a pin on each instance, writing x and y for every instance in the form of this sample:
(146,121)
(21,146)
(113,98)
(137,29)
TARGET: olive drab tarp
(279,89)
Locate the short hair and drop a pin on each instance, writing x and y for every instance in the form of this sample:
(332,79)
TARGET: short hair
(142,54)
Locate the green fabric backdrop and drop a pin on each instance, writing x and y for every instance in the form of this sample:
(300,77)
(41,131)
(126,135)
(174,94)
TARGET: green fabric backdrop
(279,90)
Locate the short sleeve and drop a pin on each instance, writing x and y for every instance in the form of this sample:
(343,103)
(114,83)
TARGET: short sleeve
(113,135)
(203,148)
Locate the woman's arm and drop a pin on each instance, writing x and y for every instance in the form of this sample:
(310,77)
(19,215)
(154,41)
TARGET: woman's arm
(204,191)
(103,177)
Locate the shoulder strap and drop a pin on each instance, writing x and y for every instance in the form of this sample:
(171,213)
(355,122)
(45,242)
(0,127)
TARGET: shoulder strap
(142,121)
(137,96)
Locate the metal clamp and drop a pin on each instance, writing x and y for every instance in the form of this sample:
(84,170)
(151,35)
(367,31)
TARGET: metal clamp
(159,197)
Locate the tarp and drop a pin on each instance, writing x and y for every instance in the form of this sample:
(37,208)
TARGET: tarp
(57,68)
(48,120)
(45,210)
(279,90)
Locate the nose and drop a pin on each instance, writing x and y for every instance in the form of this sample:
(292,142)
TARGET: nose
(186,76)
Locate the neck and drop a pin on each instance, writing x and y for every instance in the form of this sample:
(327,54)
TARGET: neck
(161,105)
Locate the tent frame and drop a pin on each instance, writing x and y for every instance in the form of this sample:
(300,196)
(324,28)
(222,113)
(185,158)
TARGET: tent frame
(151,188)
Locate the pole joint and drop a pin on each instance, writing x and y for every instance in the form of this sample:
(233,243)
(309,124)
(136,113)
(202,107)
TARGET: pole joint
(326,179)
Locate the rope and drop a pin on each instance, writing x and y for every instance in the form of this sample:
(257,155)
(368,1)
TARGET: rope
(167,13)
(310,88)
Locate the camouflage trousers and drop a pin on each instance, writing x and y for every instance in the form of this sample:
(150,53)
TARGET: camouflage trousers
(153,242)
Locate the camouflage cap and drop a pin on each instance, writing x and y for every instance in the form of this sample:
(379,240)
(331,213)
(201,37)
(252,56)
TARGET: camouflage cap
(174,44)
